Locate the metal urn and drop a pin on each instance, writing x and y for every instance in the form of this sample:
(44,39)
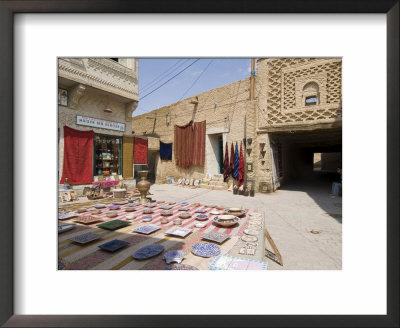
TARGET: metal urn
(143,187)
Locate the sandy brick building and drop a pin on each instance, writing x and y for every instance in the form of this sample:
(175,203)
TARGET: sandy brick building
(296,112)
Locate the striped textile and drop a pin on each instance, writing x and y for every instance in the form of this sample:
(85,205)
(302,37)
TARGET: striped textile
(236,163)
(232,160)
(90,257)
(241,166)
(199,143)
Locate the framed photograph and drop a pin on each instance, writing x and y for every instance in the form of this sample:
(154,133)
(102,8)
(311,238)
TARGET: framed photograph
(363,293)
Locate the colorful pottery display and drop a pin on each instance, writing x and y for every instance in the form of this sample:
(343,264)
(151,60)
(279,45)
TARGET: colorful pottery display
(148,251)
(114,207)
(174,256)
(112,214)
(164,220)
(226,220)
(147,218)
(180,267)
(146,229)
(249,238)
(113,245)
(201,217)
(85,238)
(177,221)
(216,237)
(66,215)
(81,210)
(178,232)
(147,211)
(88,219)
(205,250)
(114,225)
(184,215)
(65,227)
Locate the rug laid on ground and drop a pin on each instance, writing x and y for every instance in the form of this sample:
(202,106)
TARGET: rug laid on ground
(90,257)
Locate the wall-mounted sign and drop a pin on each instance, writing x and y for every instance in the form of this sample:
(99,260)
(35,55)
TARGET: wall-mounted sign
(98,123)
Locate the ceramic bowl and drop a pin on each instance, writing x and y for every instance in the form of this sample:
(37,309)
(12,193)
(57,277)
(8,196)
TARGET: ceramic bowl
(130,216)
(130,209)
(200,225)
(234,209)
(215,212)
(164,220)
(201,217)
(147,211)
(112,214)
(114,207)
(184,215)
(95,212)
(81,210)
(239,213)
(177,221)
(227,222)
(166,213)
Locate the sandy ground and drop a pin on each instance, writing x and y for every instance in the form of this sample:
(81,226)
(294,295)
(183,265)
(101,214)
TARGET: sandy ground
(304,221)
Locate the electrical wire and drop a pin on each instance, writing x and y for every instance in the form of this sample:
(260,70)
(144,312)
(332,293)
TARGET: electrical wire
(163,75)
(169,79)
(197,79)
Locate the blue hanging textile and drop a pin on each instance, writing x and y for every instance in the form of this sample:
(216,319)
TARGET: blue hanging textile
(236,163)
(165,151)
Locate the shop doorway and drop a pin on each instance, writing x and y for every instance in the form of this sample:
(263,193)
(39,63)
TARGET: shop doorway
(214,153)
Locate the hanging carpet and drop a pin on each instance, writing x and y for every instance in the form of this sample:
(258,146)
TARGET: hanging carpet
(227,170)
(236,163)
(241,166)
(199,143)
(165,151)
(140,152)
(78,154)
(232,160)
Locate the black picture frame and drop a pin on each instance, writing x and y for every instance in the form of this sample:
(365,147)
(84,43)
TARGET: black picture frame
(7,10)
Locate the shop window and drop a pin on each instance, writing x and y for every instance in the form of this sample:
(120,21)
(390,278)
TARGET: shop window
(63,97)
(107,155)
(311,94)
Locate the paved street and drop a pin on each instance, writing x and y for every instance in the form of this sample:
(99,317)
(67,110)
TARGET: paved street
(304,222)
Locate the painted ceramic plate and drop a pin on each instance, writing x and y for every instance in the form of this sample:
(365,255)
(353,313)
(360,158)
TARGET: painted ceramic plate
(130,209)
(147,211)
(254,227)
(200,225)
(183,209)
(113,245)
(239,213)
(150,205)
(174,256)
(81,210)
(226,223)
(201,217)
(178,232)
(215,212)
(112,214)
(65,227)
(200,211)
(185,203)
(180,267)
(148,251)
(95,212)
(177,221)
(164,220)
(114,225)
(187,182)
(184,215)
(146,229)
(248,238)
(196,182)
(114,207)
(85,238)
(100,206)
(147,218)
(66,215)
(166,213)
(171,203)
(88,219)
(179,181)
(205,250)
(216,237)
(251,232)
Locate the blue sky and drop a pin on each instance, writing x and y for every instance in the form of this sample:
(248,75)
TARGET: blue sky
(198,75)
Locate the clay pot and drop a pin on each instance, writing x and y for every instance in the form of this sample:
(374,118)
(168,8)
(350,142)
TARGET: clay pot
(143,186)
